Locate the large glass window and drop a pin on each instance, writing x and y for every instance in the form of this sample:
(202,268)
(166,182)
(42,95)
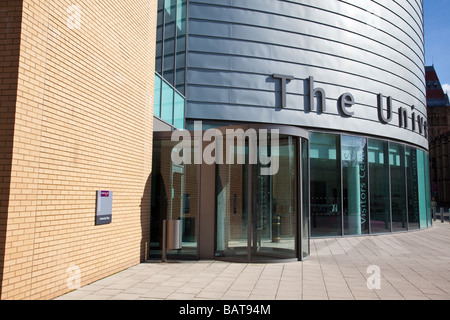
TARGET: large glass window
(380,206)
(178,116)
(398,186)
(167,103)
(157,97)
(171,42)
(256,215)
(171,62)
(325,164)
(385,186)
(413,191)
(355,185)
(175,191)
(422,189)
(305,248)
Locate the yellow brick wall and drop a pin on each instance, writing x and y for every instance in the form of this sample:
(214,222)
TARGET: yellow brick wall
(10,22)
(83,123)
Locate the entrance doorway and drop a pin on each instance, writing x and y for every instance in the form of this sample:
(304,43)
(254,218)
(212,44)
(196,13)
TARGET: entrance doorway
(264,217)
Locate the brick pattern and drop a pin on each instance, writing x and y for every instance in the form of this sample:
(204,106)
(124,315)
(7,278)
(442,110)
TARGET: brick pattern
(83,123)
(10,23)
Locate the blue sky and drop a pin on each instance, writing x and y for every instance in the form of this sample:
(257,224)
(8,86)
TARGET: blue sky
(437,38)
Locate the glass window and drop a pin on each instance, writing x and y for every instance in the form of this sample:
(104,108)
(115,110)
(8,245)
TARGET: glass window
(178,119)
(175,190)
(269,228)
(421,175)
(355,183)
(305,249)
(180,62)
(169,41)
(167,103)
(398,186)
(413,191)
(159,37)
(427,188)
(380,208)
(157,97)
(326,218)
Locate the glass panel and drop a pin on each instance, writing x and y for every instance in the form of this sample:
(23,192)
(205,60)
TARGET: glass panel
(180,47)
(157,97)
(427,188)
(231,208)
(380,208)
(355,183)
(167,103)
(398,186)
(275,212)
(269,229)
(422,188)
(175,190)
(159,37)
(326,218)
(305,250)
(169,41)
(178,119)
(413,191)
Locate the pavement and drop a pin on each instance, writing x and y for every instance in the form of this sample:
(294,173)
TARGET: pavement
(404,266)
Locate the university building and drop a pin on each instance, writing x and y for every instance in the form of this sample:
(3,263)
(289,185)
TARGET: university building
(438,109)
(115,117)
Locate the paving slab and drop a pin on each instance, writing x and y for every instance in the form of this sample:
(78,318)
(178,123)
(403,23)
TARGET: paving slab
(403,266)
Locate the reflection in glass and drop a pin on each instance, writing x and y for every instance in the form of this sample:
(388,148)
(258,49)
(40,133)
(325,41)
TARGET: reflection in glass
(263,223)
(178,117)
(174,196)
(398,186)
(413,191)
(421,174)
(427,188)
(380,208)
(326,218)
(355,183)
(157,97)
(305,250)
(167,103)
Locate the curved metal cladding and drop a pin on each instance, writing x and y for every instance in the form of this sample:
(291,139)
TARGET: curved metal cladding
(354,50)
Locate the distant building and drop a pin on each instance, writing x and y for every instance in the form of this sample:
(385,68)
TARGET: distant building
(439,135)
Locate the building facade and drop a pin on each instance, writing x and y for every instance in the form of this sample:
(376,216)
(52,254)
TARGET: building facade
(333,91)
(438,108)
(75,118)
(255,125)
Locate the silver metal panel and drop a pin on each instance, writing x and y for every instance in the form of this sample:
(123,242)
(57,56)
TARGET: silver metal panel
(363,47)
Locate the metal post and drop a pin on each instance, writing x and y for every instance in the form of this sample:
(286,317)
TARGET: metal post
(164,243)
(434,213)
(442,214)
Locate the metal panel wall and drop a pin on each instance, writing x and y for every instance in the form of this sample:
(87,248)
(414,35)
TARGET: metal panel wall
(364,47)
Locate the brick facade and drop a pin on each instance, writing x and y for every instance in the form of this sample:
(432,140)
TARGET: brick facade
(82,122)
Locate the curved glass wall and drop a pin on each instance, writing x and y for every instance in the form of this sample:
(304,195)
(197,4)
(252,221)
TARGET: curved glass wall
(367,186)
(258,215)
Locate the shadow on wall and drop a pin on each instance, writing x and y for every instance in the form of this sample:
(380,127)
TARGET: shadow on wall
(10,25)
(145,219)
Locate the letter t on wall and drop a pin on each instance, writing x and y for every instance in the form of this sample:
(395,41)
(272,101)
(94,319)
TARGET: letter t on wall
(284,79)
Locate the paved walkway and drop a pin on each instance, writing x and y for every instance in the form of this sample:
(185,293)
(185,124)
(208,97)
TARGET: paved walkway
(414,265)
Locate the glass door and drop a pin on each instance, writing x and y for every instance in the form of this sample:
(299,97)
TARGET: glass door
(257,214)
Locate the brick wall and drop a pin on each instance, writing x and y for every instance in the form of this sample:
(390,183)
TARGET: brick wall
(83,123)
(10,23)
